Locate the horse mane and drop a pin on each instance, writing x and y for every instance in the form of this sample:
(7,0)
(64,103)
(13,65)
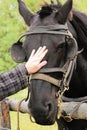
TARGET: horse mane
(80,24)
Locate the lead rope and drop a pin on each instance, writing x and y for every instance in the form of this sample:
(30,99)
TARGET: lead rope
(18,110)
(66,81)
(65,86)
(60,94)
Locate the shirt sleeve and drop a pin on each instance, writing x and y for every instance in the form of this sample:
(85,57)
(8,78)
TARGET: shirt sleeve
(13,81)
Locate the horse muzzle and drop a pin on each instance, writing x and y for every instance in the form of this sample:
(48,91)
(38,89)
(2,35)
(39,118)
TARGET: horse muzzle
(44,114)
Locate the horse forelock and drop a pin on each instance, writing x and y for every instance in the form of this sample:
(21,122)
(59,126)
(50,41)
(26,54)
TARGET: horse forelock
(47,10)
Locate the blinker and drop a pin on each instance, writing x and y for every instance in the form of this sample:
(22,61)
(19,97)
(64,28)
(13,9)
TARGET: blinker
(17,52)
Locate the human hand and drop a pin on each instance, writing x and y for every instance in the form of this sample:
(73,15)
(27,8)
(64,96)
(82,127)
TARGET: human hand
(35,62)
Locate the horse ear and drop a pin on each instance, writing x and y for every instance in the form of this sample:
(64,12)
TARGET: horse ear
(18,53)
(24,12)
(70,16)
(63,13)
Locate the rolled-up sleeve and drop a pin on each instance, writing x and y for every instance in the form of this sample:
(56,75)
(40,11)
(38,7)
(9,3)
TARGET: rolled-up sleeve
(13,81)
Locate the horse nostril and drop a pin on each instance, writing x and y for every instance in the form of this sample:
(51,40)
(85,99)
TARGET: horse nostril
(49,109)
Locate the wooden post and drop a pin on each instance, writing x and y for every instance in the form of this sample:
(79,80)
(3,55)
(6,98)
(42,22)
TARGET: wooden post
(79,113)
(4,116)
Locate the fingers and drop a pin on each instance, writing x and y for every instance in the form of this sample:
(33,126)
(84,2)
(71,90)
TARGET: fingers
(32,53)
(42,55)
(35,62)
(43,63)
(40,51)
(43,49)
(39,54)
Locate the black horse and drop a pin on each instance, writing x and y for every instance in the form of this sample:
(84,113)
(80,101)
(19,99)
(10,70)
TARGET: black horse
(56,27)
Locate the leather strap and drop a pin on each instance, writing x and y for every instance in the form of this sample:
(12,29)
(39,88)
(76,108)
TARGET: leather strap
(52,70)
(46,78)
(43,32)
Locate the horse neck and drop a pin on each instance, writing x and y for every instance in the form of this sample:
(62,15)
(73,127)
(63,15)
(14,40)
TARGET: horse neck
(79,23)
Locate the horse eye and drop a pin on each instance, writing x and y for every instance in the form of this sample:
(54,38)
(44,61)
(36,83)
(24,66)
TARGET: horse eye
(60,47)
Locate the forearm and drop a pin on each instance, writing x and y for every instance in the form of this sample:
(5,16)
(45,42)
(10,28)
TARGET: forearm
(13,81)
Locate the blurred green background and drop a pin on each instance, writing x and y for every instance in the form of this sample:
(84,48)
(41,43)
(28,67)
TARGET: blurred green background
(11,27)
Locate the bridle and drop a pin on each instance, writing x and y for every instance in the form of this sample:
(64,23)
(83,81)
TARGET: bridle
(67,69)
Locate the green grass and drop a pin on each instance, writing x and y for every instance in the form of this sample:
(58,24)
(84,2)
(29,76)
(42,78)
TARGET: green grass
(26,124)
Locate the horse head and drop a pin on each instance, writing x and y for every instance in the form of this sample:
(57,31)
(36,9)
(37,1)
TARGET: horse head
(47,27)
